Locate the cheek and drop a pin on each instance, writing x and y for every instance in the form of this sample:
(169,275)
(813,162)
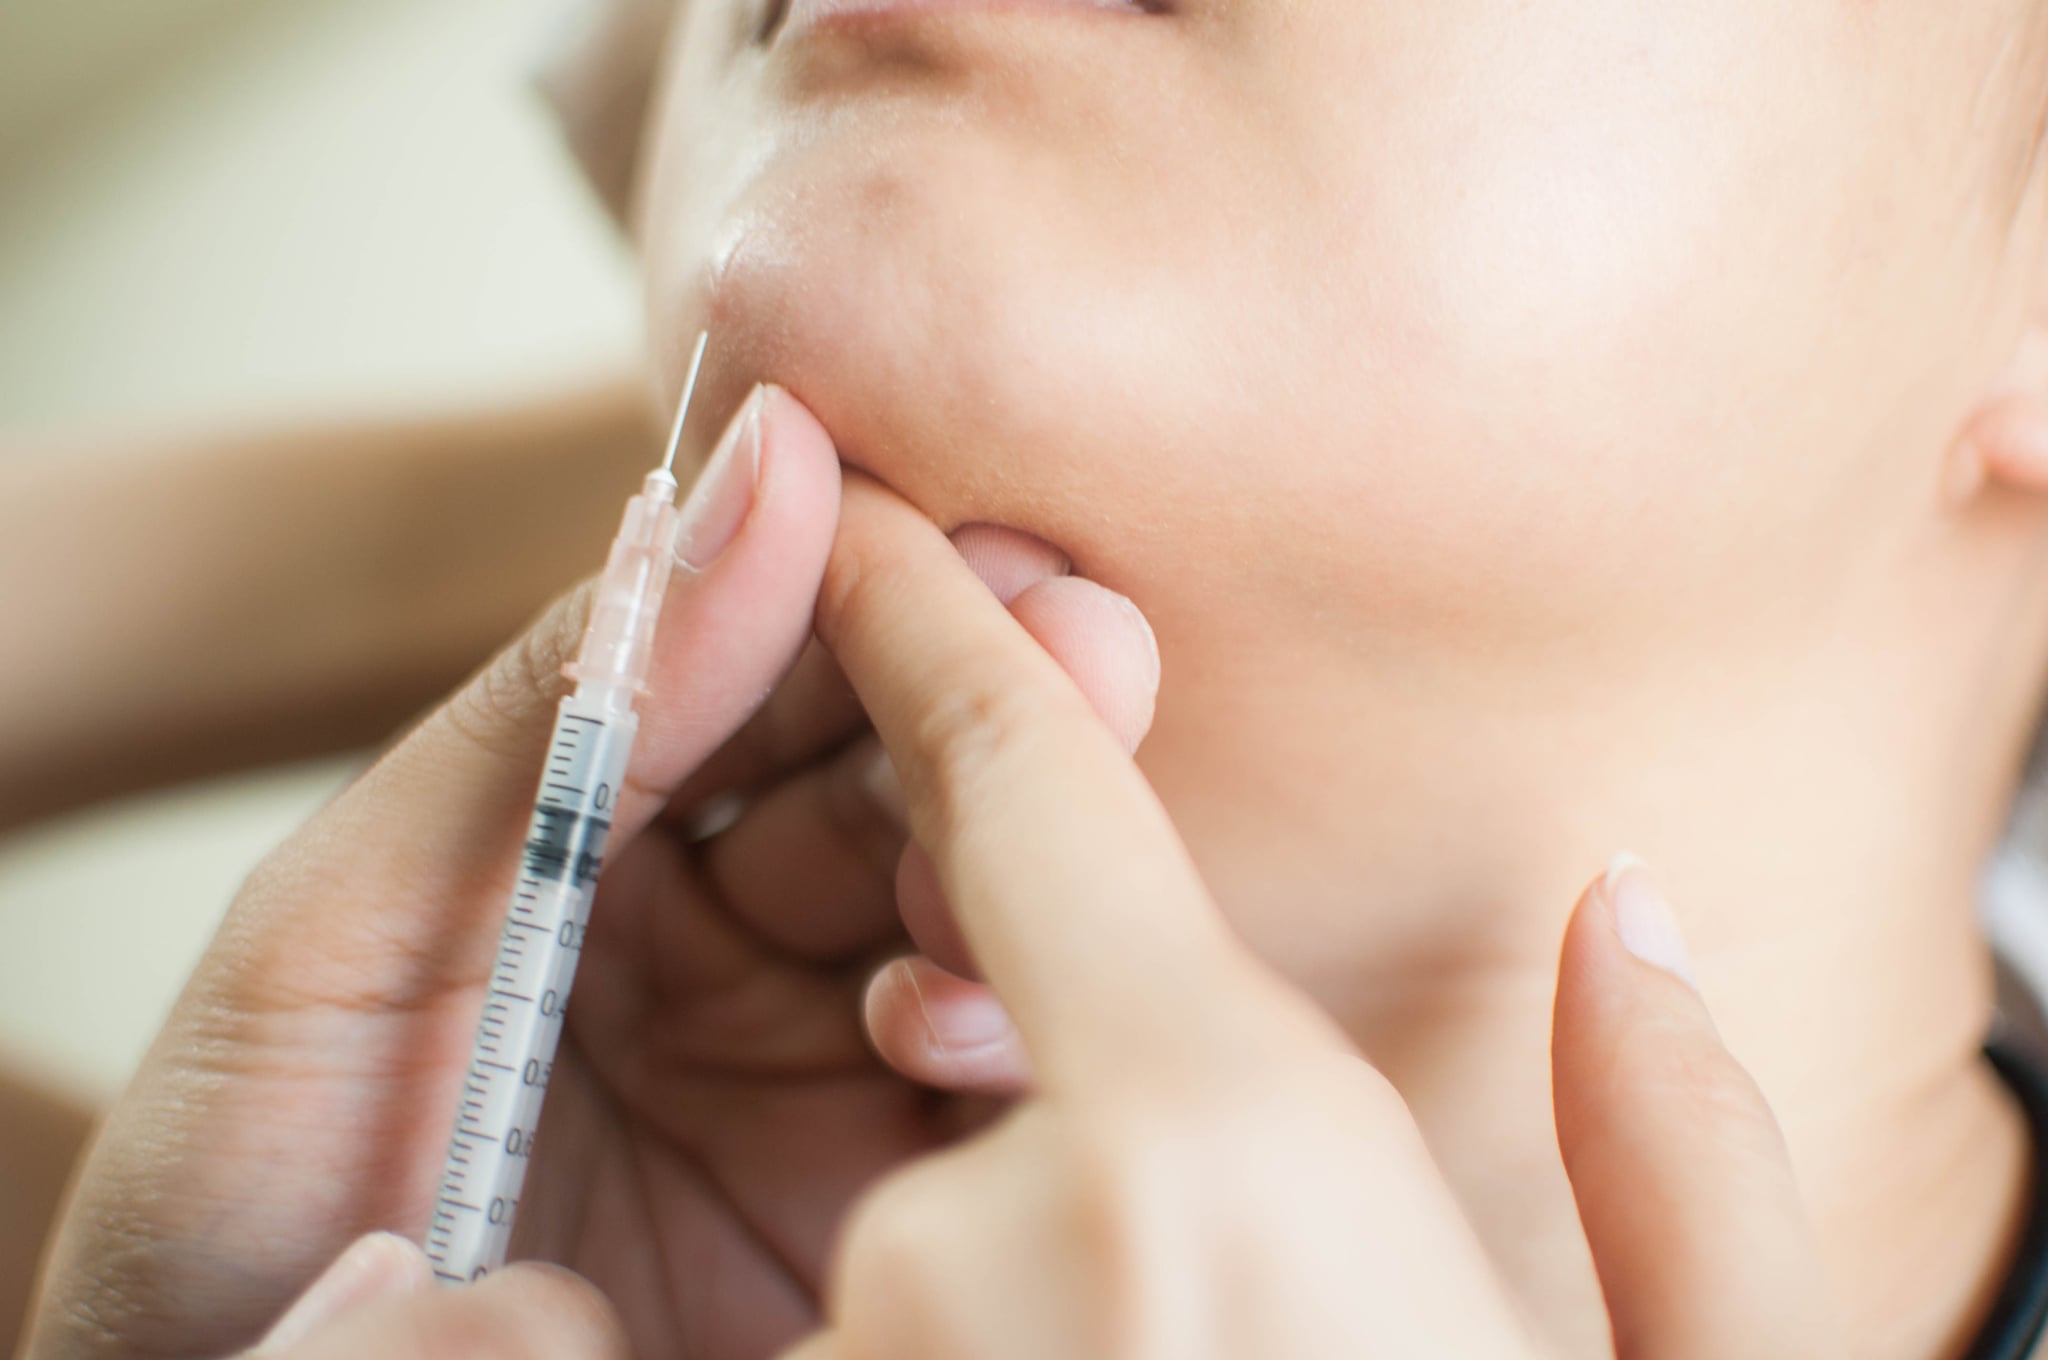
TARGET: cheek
(1615,326)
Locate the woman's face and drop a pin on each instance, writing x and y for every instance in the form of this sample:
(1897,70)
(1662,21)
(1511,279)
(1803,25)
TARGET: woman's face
(1472,323)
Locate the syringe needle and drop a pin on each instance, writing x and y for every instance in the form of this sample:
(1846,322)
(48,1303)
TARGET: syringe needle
(675,434)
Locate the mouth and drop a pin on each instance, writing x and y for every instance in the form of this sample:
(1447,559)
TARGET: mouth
(788,17)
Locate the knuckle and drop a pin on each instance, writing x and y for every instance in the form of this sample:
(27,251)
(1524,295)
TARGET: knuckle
(888,1223)
(1724,1097)
(1158,1157)
(846,590)
(966,734)
(1691,1072)
(294,942)
(890,1261)
(1369,1101)
(116,1300)
(1227,1143)
(1662,1059)
(504,701)
(1144,1190)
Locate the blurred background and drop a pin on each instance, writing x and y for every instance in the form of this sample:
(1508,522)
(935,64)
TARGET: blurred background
(226,212)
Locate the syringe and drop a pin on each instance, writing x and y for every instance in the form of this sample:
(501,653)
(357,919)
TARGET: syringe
(521,1023)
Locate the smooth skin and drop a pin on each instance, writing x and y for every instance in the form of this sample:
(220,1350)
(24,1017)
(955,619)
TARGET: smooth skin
(717,1124)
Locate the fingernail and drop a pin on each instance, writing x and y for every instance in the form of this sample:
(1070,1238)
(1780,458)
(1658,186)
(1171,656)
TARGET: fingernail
(959,1016)
(1643,919)
(1144,627)
(382,1265)
(885,787)
(724,493)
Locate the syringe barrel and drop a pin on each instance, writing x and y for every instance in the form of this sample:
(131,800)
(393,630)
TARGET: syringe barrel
(522,1011)
(618,646)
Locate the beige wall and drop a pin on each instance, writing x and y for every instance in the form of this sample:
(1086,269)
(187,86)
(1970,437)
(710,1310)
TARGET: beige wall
(57,58)
(216,207)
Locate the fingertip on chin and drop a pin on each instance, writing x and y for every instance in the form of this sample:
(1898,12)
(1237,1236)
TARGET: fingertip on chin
(1008,561)
(800,472)
(1104,643)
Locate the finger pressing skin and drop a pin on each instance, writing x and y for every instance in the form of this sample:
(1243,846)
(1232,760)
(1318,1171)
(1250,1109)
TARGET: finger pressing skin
(1679,1169)
(814,710)
(523,1312)
(810,864)
(1103,644)
(1115,664)
(1062,867)
(1107,650)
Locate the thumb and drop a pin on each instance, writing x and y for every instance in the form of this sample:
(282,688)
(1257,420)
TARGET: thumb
(1681,1175)
(379,1299)
(380,1266)
(429,834)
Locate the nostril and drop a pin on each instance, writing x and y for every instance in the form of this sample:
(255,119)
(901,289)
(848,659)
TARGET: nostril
(771,19)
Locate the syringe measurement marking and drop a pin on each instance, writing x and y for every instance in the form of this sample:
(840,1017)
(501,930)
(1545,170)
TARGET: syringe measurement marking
(531,977)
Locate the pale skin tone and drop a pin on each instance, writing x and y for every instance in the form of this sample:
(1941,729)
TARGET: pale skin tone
(1723,540)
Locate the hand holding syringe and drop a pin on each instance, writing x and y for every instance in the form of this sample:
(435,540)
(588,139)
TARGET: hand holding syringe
(715,1105)
(544,929)
(302,1091)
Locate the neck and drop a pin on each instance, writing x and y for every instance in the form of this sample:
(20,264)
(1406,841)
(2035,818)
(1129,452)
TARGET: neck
(1408,852)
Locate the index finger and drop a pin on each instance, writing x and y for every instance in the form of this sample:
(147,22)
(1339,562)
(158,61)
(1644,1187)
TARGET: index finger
(1081,904)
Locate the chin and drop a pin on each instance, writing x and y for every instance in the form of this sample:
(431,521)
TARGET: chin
(956,324)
